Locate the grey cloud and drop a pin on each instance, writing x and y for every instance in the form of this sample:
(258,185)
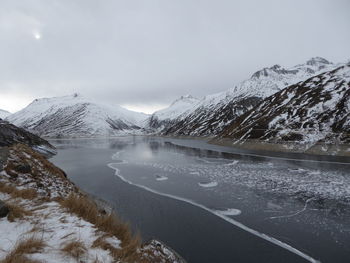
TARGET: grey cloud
(153,51)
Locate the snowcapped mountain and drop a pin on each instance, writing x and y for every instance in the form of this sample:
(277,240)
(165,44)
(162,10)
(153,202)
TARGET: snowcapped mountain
(4,114)
(209,116)
(312,111)
(161,118)
(76,116)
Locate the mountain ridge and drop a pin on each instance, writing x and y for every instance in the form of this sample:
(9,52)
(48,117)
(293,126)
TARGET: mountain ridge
(76,116)
(210,115)
(314,111)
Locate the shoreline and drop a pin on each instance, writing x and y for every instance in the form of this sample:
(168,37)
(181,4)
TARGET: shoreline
(316,151)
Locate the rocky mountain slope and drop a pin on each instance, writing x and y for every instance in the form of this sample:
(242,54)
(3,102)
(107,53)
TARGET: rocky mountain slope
(4,114)
(76,116)
(164,117)
(213,113)
(10,135)
(313,111)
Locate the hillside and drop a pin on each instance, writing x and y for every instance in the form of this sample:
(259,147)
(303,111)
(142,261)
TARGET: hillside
(76,116)
(214,112)
(315,111)
(10,135)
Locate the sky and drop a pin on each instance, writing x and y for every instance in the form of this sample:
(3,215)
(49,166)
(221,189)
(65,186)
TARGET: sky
(143,54)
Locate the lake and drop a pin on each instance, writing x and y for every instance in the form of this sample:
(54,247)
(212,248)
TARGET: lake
(217,204)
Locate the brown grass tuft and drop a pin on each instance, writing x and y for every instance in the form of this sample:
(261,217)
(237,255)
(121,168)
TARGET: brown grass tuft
(16,193)
(23,247)
(6,188)
(74,249)
(109,223)
(17,212)
(25,194)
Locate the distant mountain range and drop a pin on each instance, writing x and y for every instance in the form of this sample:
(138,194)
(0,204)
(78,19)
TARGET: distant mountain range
(210,115)
(76,116)
(307,103)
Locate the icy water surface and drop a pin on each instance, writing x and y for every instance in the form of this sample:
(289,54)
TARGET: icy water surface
(213,205)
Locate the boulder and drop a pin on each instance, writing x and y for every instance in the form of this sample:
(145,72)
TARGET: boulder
(23,168)
(3,209)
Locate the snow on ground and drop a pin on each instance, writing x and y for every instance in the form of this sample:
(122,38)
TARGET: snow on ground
(57,228)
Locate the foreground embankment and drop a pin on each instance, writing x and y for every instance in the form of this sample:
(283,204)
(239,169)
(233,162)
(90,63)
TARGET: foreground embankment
(44,217)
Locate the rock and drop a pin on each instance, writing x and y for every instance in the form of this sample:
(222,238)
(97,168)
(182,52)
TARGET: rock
(23,168)
(3,209)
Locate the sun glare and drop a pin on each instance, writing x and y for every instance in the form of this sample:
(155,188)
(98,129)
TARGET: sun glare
(37,35)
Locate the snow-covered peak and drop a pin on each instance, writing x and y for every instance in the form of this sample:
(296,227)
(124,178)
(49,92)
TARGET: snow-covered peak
(176,108)
(46,105)
(294,113)
(185,99)
(268,72)
(4,114)
(75,115)
(311,66)
(267,81)
(317,61)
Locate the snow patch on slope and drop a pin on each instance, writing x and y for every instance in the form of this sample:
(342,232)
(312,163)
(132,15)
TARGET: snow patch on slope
(76,115)
(4,114)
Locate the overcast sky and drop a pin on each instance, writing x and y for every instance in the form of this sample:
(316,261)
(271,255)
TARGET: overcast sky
(144,54)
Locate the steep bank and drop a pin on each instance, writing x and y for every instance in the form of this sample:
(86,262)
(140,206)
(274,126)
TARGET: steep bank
(11,134)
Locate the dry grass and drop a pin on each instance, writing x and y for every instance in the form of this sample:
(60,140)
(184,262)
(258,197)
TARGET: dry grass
(23,247)
(37,161)
(74,249)
(16,193)
(109,223)
(6,188)
(17,212)
(25,194)
(103,244)
(23,162)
